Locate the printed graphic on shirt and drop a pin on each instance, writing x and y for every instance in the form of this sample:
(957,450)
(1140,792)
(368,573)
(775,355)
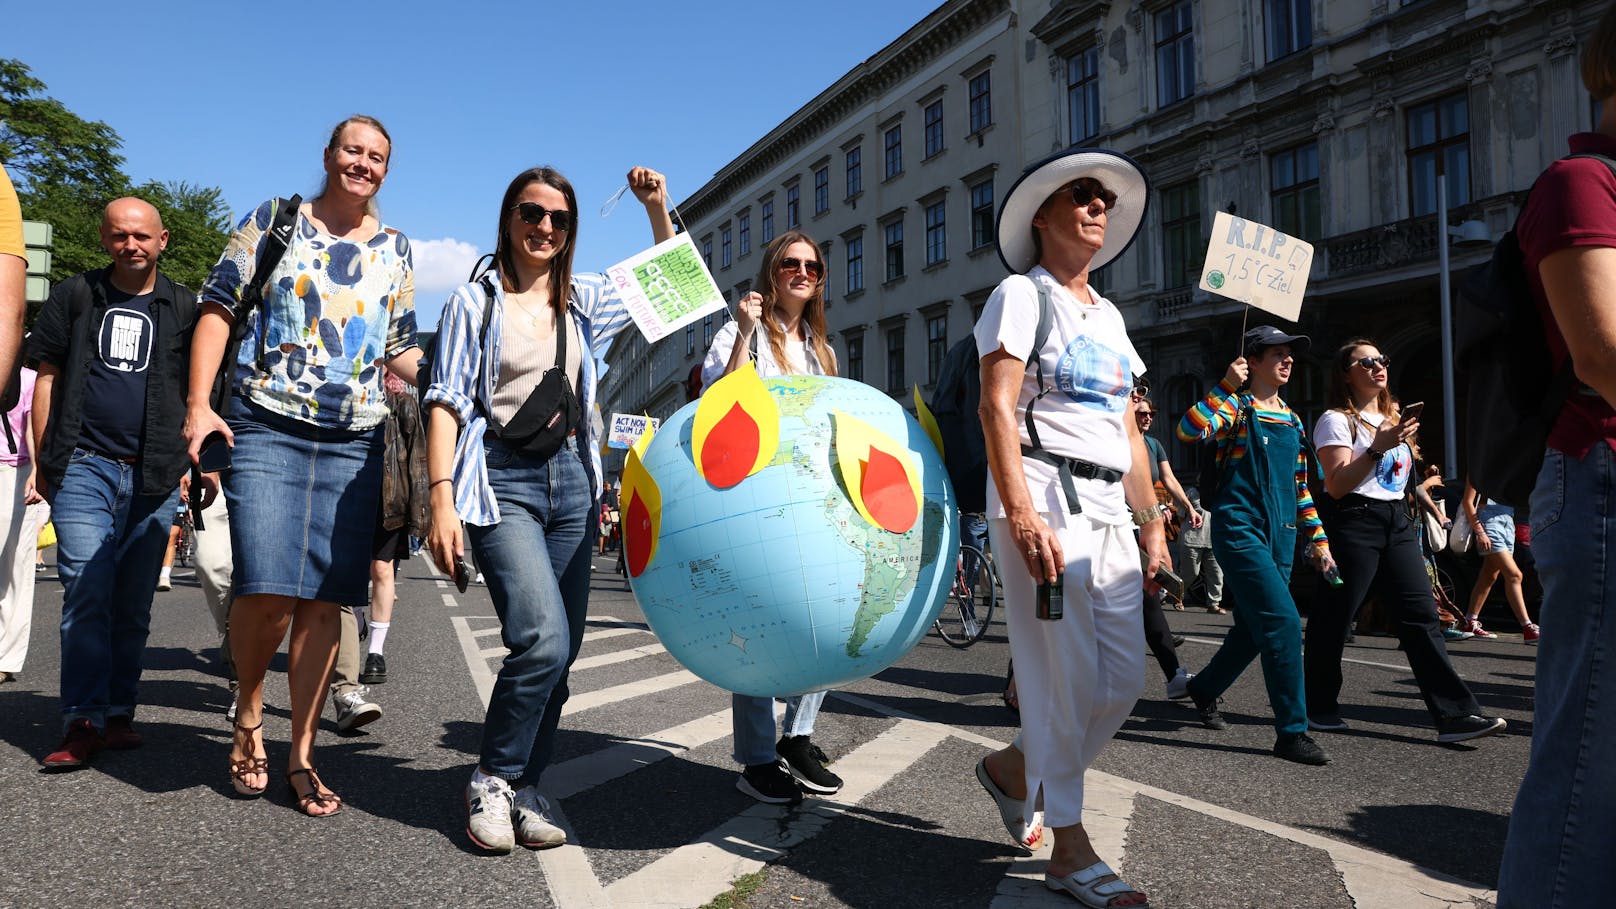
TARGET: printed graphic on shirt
(1094,375)
(126,339)
(1392,471)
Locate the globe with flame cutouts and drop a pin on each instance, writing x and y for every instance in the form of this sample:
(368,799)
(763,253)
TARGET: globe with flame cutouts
(789,535)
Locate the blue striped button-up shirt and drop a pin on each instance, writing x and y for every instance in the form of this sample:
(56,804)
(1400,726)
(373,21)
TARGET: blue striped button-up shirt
(600,314)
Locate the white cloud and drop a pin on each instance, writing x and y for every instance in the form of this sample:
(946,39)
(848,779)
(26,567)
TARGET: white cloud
(441,266)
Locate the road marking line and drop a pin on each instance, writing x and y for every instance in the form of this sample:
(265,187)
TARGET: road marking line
(583,773)
(488,653)
(450,601)
(695,873)
(614,632)
(604,696)
(567,871)
(484,632)
(617,656)
(481,676)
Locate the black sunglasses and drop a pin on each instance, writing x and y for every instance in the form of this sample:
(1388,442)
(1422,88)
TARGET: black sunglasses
(812,266)
(533,213)
(1371,362)
(1082,195)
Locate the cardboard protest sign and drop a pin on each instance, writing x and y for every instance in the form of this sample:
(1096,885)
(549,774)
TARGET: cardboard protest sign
(628,427)
(1256,264)
(666,287)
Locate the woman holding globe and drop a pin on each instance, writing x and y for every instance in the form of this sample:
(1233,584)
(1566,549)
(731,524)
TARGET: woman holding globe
(1070,478)
(791,311)
(508,452)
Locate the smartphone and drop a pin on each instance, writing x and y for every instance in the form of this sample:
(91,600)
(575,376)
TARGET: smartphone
(462,574)
(1051,601)
(215,454)
(1411,412)
(1169,582)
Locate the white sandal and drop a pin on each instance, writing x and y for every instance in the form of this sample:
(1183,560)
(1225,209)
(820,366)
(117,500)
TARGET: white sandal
(1025,835)
(1081,884)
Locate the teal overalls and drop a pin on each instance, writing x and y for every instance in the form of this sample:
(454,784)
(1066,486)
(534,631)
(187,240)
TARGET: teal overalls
(1254,540)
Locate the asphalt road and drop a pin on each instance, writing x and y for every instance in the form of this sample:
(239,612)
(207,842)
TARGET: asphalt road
(1201,820)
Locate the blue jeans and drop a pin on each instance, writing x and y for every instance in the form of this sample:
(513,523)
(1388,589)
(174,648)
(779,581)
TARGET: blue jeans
(536,563)
(110,541)
(752,720)
(1564,822)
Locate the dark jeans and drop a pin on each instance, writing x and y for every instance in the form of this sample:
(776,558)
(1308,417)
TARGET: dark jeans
(1377,549)
(1159,636)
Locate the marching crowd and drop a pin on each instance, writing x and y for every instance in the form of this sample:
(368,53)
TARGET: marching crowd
(277,403)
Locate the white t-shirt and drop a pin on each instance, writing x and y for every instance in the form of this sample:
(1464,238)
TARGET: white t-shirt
(1091,364)
(1390,477)
(800,358)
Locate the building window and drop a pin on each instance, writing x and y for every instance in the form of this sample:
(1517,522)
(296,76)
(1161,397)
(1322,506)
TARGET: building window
(855,171)
(707,251)
(768,221)
(1175,54)
(855,358)
(936,233)
(934,128)
(936,346)
(894,151)
(793,206)
(746,232)
(1439,131)
(982,214)
(690,339)
(1083,94)
(724,248)
(822,190)
(1294,191)
(894,246)
(1181,234)
(980,90)
(707,330)
(855,264)
(895,359)
(1290,26)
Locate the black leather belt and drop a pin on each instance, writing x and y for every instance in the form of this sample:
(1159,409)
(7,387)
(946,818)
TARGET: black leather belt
(1068,468)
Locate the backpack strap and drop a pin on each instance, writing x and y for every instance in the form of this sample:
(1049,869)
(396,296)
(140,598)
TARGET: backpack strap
(270,252)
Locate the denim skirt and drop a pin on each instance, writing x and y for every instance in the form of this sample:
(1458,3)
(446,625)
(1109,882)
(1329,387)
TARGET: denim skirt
(303,503)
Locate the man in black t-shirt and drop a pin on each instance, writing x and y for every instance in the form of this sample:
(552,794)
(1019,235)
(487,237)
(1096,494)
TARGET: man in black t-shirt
(113,347)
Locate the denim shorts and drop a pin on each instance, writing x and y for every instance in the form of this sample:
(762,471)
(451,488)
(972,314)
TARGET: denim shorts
(303,503)
(1498,522)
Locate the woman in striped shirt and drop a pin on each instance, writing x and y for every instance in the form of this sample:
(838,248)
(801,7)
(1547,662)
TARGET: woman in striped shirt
(509,452)
(1261,501)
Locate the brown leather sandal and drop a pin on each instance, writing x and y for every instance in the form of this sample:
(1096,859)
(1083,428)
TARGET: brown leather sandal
(247,766)
(317,794)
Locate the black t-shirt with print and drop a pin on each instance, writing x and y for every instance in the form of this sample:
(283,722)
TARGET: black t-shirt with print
(115,385)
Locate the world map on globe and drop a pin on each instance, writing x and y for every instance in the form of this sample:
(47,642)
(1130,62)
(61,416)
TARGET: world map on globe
(781,584)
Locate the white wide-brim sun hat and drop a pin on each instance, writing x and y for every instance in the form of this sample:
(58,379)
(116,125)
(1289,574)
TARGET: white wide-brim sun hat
(1116,172)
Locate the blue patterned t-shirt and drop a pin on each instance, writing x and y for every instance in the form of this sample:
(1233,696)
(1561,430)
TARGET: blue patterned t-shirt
(336,310)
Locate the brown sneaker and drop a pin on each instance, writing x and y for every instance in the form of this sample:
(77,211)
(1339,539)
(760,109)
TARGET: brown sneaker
(78,746)
(121,735)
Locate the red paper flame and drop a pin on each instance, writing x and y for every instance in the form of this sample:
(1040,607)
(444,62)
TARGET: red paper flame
(731,448)
(637,536)
(887,492)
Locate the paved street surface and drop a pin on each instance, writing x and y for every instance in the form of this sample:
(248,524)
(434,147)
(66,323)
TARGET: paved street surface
(1201,820)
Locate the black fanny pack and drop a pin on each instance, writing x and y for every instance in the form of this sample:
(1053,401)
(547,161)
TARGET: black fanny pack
(551,413)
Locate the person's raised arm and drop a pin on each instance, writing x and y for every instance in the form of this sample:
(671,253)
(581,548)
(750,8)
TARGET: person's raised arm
(651,188)
(1216,413)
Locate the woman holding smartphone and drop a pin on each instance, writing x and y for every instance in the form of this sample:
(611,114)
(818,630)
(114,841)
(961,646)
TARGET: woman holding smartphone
(1366,453)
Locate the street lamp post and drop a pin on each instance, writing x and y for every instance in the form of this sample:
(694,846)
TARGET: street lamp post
(1450,422)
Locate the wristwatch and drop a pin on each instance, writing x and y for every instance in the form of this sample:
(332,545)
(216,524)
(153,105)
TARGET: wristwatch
(1375,455)
(1143,516)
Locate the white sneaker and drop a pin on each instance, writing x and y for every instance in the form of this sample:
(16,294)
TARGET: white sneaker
(488,813)
(354,709)
(164,583)
(535,825)
(1178,687)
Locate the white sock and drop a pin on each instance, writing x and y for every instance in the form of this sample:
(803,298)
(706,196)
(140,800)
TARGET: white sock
(166,573)
(378,635)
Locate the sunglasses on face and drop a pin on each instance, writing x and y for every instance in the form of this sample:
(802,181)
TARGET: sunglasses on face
(533,213)
(1147,415)
(1083,194)
(1370,363)
(811,266)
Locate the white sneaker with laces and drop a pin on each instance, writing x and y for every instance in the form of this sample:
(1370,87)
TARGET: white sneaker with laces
(535,825)
(354,709)
(1178,687)
(488,810)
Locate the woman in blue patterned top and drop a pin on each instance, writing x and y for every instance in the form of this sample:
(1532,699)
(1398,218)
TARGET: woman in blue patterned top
(305,425)
(509,452)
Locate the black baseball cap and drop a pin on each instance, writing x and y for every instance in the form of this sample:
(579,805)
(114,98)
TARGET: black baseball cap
(1269,336)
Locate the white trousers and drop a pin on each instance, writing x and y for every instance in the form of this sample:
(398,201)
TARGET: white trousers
(20,524)
(215,564)
(1077,678)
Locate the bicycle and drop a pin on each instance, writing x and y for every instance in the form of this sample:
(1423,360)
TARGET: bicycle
(969,611)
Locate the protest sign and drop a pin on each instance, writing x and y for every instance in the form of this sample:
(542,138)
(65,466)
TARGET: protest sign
(628,427)
(1256,264)
(666,287)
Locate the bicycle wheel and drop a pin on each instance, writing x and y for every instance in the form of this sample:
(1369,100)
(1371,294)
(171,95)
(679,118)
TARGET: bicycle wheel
(969,611)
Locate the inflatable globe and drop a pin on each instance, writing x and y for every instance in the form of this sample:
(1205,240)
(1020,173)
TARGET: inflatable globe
(785,581)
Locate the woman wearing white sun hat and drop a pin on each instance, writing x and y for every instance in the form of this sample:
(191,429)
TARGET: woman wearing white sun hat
(1070,480)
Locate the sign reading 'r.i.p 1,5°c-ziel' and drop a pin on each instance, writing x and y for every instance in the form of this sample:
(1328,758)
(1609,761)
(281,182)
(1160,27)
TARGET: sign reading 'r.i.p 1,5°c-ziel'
(666,287)
(1256,264)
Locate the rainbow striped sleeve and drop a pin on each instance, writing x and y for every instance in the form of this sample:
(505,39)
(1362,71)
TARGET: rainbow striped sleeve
(1307,515)
(1212,416)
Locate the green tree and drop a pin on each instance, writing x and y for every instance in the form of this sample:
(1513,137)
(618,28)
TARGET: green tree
(198,222)
(43,144)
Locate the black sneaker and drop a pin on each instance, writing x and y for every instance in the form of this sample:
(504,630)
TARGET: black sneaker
(375,670)
(807,763)
(771,783)
(1463,728)
(1296,746)
(1210,717)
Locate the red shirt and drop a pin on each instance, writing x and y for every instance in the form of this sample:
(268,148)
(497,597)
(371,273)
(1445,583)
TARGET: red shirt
(1573,204)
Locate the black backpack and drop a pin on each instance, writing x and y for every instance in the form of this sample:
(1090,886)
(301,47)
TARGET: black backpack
(1513,392)
(954,404)
(276,242)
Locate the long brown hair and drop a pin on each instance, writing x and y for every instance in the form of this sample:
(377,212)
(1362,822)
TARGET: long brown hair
(1341,391)
(813,313)
(561,266)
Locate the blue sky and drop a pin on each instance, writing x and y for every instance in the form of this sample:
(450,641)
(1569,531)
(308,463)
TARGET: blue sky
(243,96)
